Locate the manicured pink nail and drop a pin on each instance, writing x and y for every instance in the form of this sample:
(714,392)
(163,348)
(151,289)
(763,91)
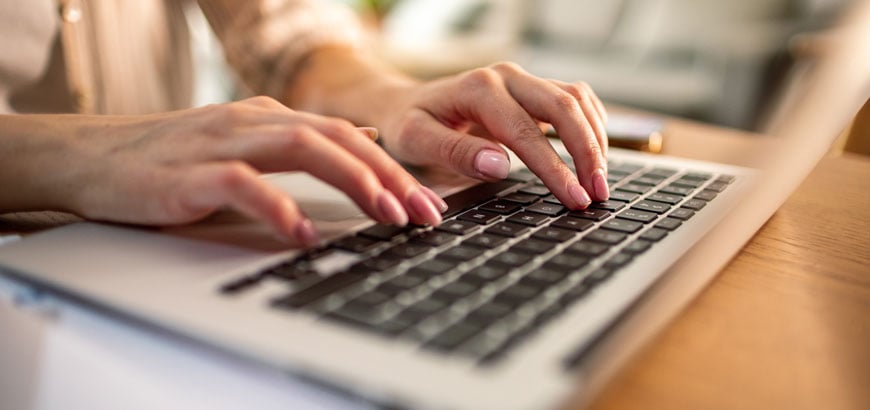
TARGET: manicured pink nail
(306,233)
(391,209)
(599,182)
(423,208)
(436,200)
(579,195)
(370,132)
(492,164)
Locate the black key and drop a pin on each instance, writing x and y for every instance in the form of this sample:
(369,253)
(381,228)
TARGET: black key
(528,218)
(546,275)
(699,176)
(316,253)
(574,224)
(614,178)
(453,336)
(676,190)
(554,234)
(635,188)
(356,244)
(645,181)
(591,214)
(637,247)
(522,199)
(239,285)
(685,182)
(371,298)
(408,250)
(393,326)
(567,261)
(405,281)
(486,273)
(539,190)
(425,307)
(320,289)
(623,196)
(655,176)
(618,260)
(350,314)
(486,240)
(457,227)
(546,209)
(461,253)
(517,294)
(625,167)
(508,229)
(289,271)
(575,293)
(500,207)
(611,206)
(383,232)
(717,186)
(511,259)
(682,213)
(434,238)
(478,216)
(725,178)
(606,237)
(587,248)
(705,195)
(637,215)
(622,225)
(663,172)
(376,264)
(694,204)
(533,246)
(652,206)
(669,223)
(666,198)
(551,199)
(435,266)
(455,290)
(489,312)
(473,196)
(654,234)
(597,276)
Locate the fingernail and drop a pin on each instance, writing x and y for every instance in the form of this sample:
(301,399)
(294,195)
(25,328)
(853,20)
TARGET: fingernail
(492,164)
(436,200)
(370,132)
(391,210)
(307,234)
(579,195)
(423,208)
(599,182)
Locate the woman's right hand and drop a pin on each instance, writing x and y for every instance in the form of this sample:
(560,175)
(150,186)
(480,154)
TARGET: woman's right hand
(179,167)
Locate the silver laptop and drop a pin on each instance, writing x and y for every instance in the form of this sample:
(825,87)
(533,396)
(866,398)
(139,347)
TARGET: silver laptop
(513,303)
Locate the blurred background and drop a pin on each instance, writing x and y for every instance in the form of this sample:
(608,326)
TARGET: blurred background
(723,62)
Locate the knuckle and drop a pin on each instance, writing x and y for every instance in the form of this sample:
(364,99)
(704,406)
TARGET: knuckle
(507,67)
(481,79)
(454,151)
(338,127)
(235,175)
(299,137)
(565,102)
(264,101)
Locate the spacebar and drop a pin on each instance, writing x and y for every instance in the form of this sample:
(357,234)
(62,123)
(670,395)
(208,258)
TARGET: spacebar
(475,195)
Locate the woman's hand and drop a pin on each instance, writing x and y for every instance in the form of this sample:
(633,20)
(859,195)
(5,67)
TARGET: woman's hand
(179,167)
(460,121)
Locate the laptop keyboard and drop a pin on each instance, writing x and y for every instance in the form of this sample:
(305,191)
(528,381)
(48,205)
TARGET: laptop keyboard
(507,259)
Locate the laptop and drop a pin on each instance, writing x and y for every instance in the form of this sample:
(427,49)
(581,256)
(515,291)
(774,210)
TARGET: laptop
(513,303)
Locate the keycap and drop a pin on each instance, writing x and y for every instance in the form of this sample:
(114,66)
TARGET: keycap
(606,237)
(676,190)
(451,337)
(691,183)
(405,281)
(474,195)
(546,209)
(383,232)
(663,172)
(517,294)
(625,167)
(725,179)
(637,247)
(539,190)
(457,227)
(654,234)
(574,224)
(461,253)
(682,213)
(591,214)
(500,206)
(551,199)
(356,244)
(618,260)
(238,285)
(666,198)
(376,264)
(554,234)
(700,176)
(622,225)
(320,289)
(528,218)
(533,246)
(717,186)
(455,290)
(655,175)
(637,215)
(587,248)
(488,312)
(520,198)
(508,229)
(567,261)
(623,196)
(645,181)
(598,276)
(669,223)
(479,217)
(435,266)
(635,188)
(608,205)
(546,275)
(486,273)
(486,240)
(651,206)
(694,204)
(434,238)
(408,250)
(705,195)
(511,259)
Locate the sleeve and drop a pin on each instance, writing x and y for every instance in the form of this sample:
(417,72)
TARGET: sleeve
(265,40)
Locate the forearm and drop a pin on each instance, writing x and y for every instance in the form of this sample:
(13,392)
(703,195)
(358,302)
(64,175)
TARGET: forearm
(347,83)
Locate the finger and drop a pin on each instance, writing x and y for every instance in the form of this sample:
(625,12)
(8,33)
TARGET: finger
(275,148)
(592,108)
(547,102)
(484,98)
(422,208)
(206,188)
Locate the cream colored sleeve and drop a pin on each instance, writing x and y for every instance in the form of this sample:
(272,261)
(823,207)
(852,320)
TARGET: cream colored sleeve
(265,40)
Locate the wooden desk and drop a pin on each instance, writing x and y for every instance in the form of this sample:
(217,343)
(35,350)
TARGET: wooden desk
(786,324)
